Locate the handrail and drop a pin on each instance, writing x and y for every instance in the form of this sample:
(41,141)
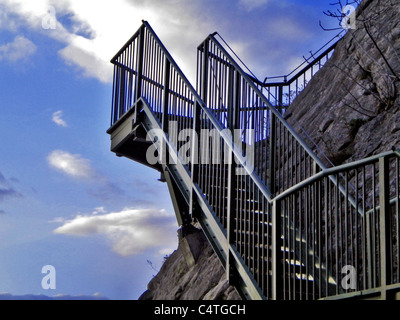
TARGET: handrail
(278,89)
(341,239)
(334,170)
(314,61)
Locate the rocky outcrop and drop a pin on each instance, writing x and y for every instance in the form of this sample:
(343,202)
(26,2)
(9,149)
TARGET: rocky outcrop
(350,107)
(192,272)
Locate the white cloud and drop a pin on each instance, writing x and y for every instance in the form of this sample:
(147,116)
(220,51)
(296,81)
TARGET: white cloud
(58,120)
(252,4)
(93,31)
(287,28)
(98,184)
(19,49)
(7,191)
(131,231)
(7,22)
(71,164)
(91,65)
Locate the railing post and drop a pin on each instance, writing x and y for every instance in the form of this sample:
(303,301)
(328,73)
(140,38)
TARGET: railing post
(272,150)
(384,224)
(280,97)
(139,64)
(164,154)
(139,68)
(204,72)
(116,88)
(121,97)
(164,116)
(277,272)
(195,159)
(233,123)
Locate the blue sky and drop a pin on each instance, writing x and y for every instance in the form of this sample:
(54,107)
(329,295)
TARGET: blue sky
(65,199)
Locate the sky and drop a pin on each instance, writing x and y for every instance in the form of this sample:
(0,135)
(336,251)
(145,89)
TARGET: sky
(105,224)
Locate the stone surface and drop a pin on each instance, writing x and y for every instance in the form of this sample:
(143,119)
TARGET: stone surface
(180,279)
(350,107)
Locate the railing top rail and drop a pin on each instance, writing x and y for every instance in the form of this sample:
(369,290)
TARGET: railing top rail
(120,51)
(310,64)
(335,170)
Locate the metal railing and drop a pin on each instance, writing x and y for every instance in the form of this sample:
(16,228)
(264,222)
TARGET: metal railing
(336,238)
(144,69)
(277,218)
(282,90)
(280,157)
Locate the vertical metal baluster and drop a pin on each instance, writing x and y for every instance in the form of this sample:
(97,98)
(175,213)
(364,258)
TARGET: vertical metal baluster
(317,240)
(295,222)
(258,239)
(287,217)
(348,221)
(357,225)
(336,195)
(264,272)
(328,235)
(363,230)
(340,225)
(152,72)
(113,109)
(397,204)
(384,224)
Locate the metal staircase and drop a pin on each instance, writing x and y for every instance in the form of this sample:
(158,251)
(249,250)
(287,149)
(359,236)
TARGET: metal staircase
(283,225)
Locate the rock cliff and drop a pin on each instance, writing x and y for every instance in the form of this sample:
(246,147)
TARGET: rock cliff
(350,109)
(192,272)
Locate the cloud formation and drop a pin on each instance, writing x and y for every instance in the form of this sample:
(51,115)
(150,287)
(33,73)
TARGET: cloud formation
(252,4)
(58,120)
(89,43)
(72,165)
(19,49)
(131,231)
(7,191)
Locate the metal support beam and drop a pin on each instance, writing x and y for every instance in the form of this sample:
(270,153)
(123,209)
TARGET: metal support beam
(233,123)
(165,100)
(204,72)
(277,263)
(178,200)
(272,151)
(139,64)
(195,158)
